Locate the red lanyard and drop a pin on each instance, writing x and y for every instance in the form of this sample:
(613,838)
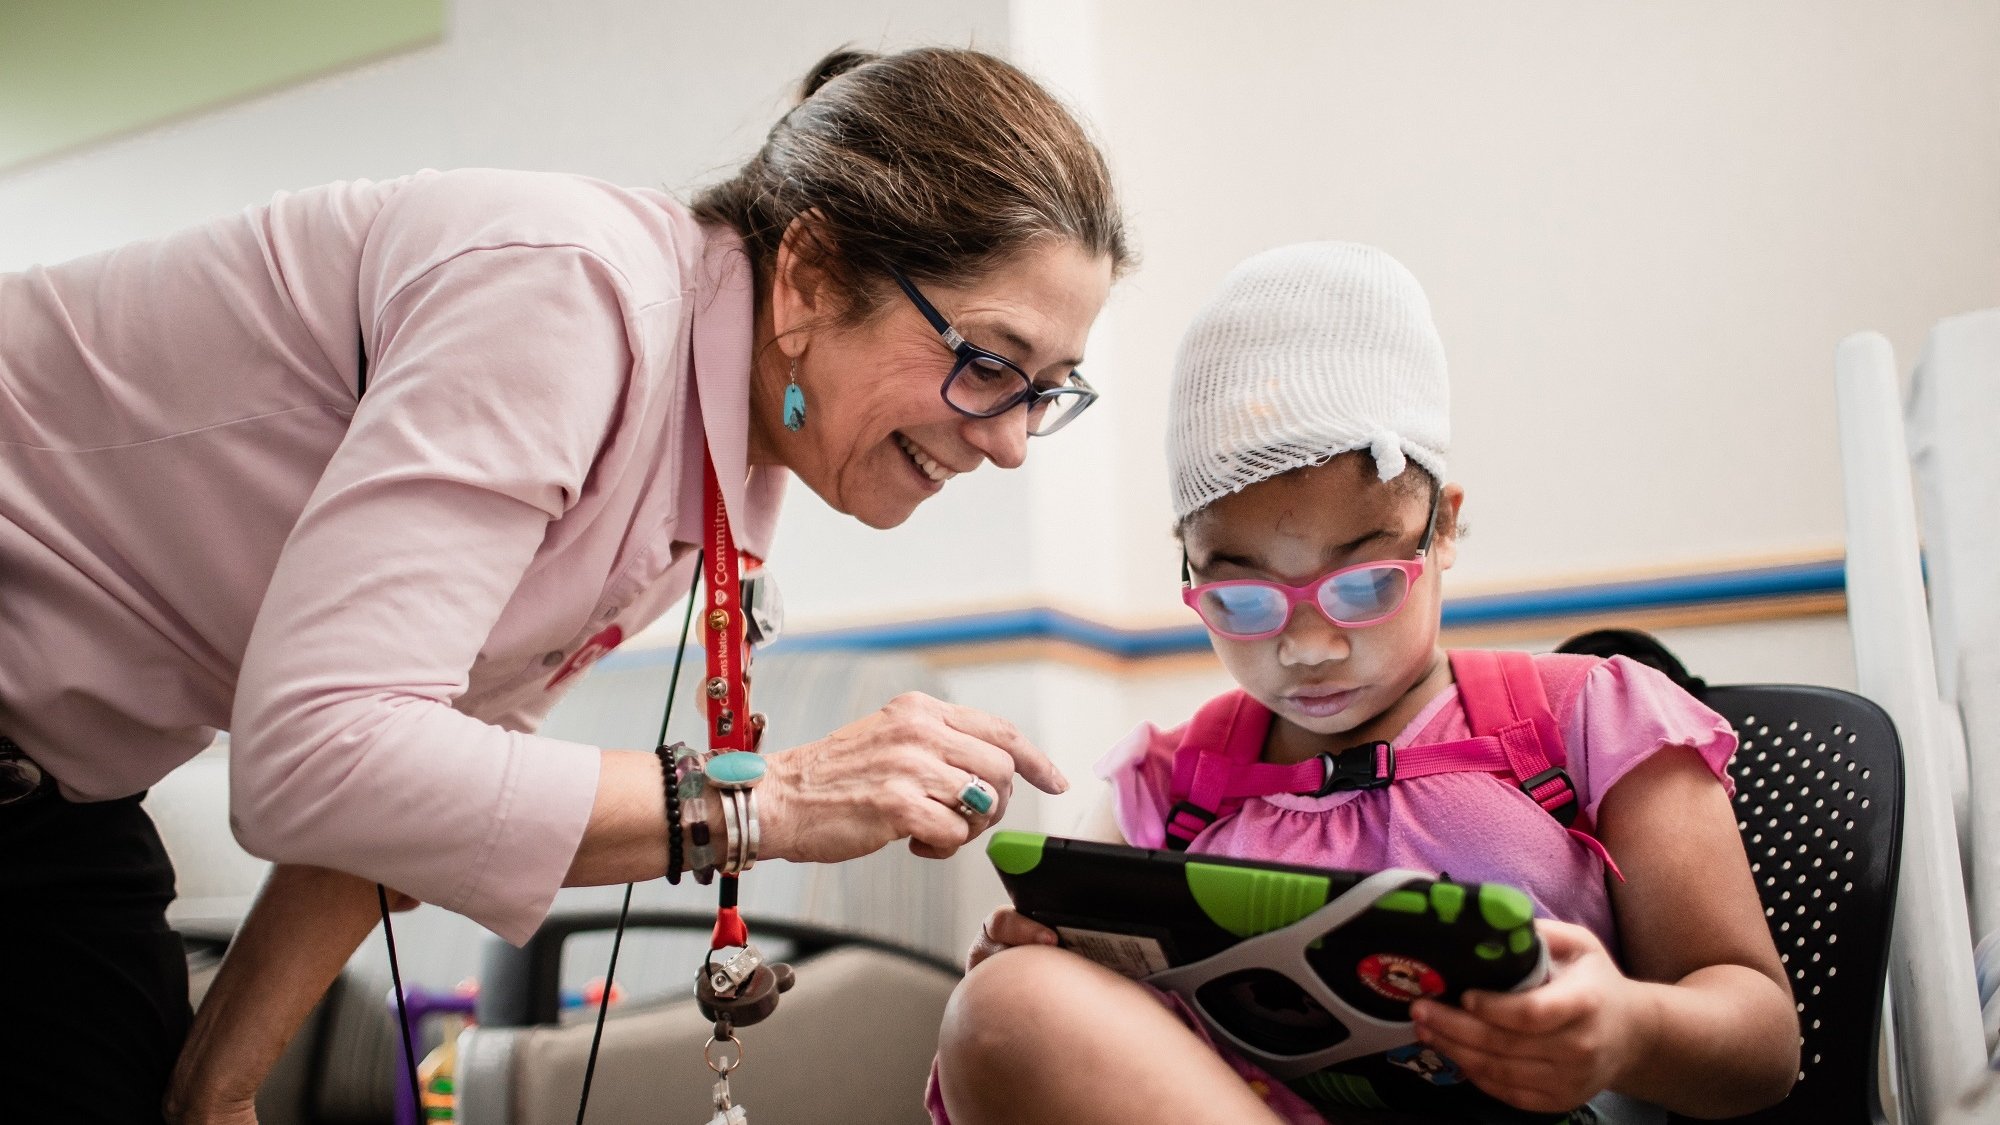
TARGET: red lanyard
(725,691)
(727,696)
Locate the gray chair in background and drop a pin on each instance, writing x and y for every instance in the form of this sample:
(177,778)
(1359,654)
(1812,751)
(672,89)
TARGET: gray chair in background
(850,1044)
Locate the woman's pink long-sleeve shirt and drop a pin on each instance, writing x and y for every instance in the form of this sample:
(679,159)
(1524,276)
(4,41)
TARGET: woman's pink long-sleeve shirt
(205,524)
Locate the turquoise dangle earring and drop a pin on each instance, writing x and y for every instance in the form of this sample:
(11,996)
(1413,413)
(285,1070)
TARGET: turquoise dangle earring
(795,402)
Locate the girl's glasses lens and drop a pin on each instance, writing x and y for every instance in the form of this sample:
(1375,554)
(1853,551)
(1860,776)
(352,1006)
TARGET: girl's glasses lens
(1242,610)
(1358,597)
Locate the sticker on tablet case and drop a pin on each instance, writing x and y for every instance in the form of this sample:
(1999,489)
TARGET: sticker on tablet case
(1131,955)
(1398,977)
(1427,1064)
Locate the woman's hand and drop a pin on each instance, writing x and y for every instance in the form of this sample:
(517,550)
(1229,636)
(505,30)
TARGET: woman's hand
(893,774)
(1551,1048)
(305,924)
(1003,929)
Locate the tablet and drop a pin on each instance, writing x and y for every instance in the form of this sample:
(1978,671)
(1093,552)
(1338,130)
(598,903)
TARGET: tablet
(1308,972)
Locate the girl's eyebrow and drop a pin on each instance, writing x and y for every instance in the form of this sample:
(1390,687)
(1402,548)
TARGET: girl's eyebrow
(1359,542)
(1243,561)
(1334,553)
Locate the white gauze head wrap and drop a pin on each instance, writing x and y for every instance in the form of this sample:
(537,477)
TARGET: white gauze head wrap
(1304,353)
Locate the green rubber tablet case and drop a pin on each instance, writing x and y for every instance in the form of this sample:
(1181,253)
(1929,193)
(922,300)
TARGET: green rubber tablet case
(1307,972)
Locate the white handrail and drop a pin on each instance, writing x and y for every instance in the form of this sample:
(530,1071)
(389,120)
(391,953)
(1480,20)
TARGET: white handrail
(1952,401)
(1934,997)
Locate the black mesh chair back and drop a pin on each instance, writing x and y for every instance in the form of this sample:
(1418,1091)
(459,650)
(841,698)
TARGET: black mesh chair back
(1819,801)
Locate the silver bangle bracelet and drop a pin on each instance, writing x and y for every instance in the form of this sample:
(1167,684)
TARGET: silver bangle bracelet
(732,833)
(739,816)
(753,832)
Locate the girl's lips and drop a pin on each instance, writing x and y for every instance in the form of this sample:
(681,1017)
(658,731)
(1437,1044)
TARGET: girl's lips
(1322,705)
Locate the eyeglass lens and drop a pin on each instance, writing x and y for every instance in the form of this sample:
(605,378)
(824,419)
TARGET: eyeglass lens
(984,386)
(1361,596)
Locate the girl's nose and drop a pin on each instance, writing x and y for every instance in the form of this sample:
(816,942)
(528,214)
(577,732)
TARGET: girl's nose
(1309,638)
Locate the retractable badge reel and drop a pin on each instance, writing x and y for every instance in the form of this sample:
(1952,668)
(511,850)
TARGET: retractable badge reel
(735,987)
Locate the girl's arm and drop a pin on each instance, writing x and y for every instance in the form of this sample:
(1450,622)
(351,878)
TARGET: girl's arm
(1724,1034)
(1701,1021)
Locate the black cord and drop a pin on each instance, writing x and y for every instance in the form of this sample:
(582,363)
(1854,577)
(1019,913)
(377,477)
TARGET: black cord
(618,935)
(402,1013)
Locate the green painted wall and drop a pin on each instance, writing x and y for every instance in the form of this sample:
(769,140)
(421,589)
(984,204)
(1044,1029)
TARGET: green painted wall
(76,71)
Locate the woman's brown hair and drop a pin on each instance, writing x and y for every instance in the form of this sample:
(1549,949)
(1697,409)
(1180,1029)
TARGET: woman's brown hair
(939,162)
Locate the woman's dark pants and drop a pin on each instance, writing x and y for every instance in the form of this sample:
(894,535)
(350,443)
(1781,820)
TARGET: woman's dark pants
(93,983)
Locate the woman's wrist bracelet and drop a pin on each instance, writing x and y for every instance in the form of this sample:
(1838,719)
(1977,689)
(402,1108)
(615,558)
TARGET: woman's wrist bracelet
(669,785)
(702,837)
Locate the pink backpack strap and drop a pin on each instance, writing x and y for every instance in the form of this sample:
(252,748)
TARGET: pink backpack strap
(1227,734)
(1504,697)
(1217,765)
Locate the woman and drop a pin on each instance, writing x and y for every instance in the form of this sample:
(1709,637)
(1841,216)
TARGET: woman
(367,475)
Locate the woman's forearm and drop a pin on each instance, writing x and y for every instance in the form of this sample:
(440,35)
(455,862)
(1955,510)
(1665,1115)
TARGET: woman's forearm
(1719,1043)
(888,776)
(306,923)
(626,840)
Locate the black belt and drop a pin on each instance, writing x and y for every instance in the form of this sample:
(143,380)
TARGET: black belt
(20,778)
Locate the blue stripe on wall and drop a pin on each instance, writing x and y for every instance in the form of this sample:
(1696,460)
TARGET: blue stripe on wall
(1522,607)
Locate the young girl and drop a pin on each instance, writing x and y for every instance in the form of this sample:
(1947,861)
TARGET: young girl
(1308,433)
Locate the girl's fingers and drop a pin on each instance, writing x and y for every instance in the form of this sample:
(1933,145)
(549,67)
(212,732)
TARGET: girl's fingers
(1003,928)
(1008,926)
(1455,1031)
(1452,1031)
(1566,941)
(1548,1008)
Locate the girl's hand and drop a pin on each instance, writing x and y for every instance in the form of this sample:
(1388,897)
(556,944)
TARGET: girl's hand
(893,774)
(1551,1048)
(1003,928)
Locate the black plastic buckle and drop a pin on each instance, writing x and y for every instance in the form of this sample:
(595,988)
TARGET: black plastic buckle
(1354,768)
(1206,816)
(1564,813)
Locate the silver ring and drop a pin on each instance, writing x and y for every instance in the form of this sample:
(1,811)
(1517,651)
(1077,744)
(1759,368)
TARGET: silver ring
(976,798)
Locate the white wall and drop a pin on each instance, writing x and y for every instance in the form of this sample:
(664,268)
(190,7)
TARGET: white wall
(1643,227)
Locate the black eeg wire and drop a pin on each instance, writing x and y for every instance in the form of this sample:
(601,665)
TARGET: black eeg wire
(402,1013)
(618,935)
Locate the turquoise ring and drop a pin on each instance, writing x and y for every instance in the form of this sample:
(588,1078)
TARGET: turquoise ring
(977,798)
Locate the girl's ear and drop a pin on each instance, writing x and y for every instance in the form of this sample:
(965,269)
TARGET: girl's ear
(1444,546)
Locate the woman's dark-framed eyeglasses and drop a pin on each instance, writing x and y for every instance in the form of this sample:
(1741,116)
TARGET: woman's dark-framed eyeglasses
(1248,609)
(985,385)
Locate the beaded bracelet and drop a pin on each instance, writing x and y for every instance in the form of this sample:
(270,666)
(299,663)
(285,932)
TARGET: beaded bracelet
(672,790)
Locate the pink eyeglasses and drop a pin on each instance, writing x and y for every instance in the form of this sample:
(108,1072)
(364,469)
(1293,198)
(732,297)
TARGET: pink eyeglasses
(1247,609)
